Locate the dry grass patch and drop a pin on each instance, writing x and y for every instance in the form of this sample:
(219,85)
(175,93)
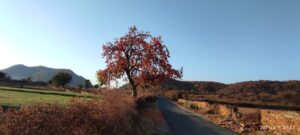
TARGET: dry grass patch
(114,114)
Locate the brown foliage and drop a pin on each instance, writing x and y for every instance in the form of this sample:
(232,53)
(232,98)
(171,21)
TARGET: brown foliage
(115,114)
(3,129)
(141,57)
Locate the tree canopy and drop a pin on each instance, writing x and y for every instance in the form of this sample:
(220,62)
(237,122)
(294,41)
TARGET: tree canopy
(141,57)
(61,79)
(2,75)
(100,80)
(88,84)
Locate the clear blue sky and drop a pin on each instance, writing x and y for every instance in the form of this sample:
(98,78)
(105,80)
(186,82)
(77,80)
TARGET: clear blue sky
(215,40)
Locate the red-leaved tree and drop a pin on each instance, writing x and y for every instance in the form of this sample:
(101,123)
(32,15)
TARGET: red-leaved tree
(139,56)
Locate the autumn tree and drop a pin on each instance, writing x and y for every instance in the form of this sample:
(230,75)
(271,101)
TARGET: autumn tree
(61,79)
(142,58)
(100,80)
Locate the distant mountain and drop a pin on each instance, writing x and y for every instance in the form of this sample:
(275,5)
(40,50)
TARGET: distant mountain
(40,73)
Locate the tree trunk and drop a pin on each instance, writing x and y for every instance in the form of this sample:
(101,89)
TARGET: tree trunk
(134,91)
(133,86)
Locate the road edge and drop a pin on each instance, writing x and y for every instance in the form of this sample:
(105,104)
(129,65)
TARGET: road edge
(196,114)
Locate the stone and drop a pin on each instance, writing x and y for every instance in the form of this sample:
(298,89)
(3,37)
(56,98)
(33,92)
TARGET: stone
(227,118)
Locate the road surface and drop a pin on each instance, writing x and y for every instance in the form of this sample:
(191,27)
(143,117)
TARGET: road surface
(182,122)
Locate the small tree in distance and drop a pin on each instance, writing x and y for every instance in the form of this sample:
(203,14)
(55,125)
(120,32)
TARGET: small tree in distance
(139,56)
(100,80)
(61,79)
(2,76)
(88,84)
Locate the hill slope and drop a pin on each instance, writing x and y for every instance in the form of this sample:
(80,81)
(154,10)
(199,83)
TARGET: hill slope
(263,93)
(40,73)
(191,86)
(194,86)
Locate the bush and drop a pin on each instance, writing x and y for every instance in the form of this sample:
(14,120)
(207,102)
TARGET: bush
(172,95)
(143,100)
(115,114)
(3,129)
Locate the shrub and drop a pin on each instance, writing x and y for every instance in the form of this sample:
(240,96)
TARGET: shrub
(172,95)
(114,114)
(3,129)
(143,100)
(188,104)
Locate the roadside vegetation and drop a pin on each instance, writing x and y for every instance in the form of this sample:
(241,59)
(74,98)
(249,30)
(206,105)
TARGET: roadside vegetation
(116,113)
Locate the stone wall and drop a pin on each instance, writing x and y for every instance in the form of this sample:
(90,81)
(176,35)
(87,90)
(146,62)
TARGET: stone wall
(278,121)
(225,110)
(272,121)
(181,101)
(247,110)
(202,105)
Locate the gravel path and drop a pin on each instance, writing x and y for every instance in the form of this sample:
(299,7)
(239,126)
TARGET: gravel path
(182,122)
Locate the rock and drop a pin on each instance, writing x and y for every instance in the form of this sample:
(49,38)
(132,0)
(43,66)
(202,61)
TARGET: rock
(227,118)
(241,130)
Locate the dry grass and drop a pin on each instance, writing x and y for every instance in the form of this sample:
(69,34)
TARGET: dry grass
(172,95)
(115,114)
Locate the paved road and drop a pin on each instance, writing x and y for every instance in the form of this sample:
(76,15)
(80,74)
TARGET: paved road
(182,122)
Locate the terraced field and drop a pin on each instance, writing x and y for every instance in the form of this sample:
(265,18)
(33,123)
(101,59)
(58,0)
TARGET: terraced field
(16,97)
